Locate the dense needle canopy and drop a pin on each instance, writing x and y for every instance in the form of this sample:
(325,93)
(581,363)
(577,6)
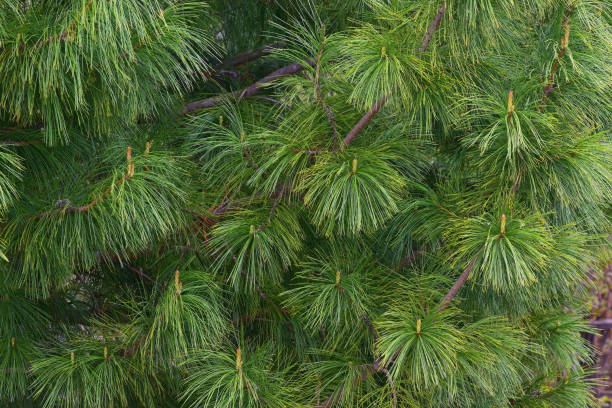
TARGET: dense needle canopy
(321,203)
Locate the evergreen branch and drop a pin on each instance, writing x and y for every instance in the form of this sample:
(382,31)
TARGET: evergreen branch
(365,119)
(246,92)
(459,282)
(64,35)
(85,208)
(433,26)
(563,43)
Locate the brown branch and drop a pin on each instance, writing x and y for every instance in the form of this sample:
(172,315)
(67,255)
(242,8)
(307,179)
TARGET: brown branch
(391,385)
(517,180)
(20,142)
(249,56)
(365,119)
(85,208)
(433,26)
(140,273)
(279,195)
(370,326)
(64,35)
(563,43)
(246,92)
(603,324)
(410,258)
(459,283)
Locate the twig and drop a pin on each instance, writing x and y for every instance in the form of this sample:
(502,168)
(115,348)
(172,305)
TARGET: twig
(564,42)
(459,283)
(246,92)
(85,208)
(365,119)
(391,385)
(370,326)
(410,258)
(140,273)
(249,56)
(433,26)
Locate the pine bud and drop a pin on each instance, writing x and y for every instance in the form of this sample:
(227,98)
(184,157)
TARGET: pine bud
(147,148)
(105,353)
(72,357)
(565,39)
(238,359)
(252,231)
(337,279)
(220,120)
(383,52)
(502,231)
(241,137)
(418,327)
(177,283)
(130,166)
(354,169)
(12,342)
(510,103)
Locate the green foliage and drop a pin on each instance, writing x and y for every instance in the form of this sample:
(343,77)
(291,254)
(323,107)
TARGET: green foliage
(406,219)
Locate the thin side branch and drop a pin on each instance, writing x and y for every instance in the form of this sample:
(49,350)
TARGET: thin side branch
(563,43)
(459,283)
(20,142)
(391,385)
(140,273)
(433,26)
(365,119)
(246,92)
(249,56)
(65,207)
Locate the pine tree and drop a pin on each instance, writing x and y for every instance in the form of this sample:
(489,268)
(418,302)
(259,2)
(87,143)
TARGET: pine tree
(323,203)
